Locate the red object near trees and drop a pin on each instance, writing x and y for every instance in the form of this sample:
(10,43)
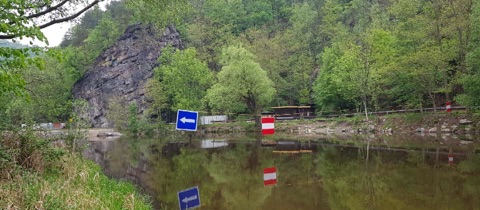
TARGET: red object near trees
(270,176)
(448,106)
(268,125)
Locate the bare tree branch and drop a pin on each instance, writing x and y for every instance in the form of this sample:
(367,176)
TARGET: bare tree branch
(52,22)
(50,9)
(10,36)
(71,17)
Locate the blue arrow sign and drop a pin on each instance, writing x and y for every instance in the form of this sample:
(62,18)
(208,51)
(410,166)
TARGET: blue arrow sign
(187,120)
(189,198)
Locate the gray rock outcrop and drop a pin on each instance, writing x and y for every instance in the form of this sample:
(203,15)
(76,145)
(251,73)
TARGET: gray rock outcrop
(122,70)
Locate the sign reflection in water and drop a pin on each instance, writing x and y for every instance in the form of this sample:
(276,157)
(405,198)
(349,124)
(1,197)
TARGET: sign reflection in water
(334,176)
(212,143)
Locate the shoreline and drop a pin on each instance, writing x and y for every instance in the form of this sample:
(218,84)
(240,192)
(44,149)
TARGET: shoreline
(456,126)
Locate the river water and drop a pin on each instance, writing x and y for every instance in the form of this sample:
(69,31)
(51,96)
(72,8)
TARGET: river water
(316,173)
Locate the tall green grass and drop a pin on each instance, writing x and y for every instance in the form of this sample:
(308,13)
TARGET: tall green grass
(75,184)
(39,172)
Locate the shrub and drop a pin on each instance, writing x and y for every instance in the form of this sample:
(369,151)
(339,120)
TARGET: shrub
(27,150)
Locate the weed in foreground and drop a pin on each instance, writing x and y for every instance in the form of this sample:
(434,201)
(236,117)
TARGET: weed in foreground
(79,184)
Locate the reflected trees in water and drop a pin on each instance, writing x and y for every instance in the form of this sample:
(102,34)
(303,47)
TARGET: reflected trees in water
(393,184)
(333,178)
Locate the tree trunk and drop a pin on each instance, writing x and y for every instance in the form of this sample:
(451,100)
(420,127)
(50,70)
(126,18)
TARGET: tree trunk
(365,106)
(258,121)
(432,97)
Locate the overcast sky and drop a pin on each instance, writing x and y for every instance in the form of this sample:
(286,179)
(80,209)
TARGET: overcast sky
(56,32)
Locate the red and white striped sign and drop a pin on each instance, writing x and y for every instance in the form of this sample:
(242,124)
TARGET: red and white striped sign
(448,106)
(268,125)
(269,176)
(450,159)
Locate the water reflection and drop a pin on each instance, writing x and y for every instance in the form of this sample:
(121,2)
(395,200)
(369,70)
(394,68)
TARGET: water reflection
(333,175)
(212,143)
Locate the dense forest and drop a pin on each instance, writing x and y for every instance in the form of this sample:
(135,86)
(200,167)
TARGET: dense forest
(245,56)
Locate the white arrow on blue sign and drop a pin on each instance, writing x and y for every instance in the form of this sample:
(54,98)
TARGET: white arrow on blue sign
(187,120)
(189,198)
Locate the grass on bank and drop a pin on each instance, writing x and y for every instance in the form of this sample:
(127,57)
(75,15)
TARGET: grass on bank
(35,173)
(75,184)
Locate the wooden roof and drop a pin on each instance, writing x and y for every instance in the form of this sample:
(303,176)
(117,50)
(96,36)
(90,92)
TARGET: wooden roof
(292,107)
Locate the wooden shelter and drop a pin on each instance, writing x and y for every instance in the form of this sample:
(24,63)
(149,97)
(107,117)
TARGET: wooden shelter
(294,112)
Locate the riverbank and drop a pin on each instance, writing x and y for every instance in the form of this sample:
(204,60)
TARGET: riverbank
(432,124)
(77,184)
(458,123)
(36,174)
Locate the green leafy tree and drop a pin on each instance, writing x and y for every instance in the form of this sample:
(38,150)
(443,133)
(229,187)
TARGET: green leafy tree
(49,94)
(155,97)
(361,53)
(226,13)
(102,36)
(426,49)
(116,112)
(115,11)
(471,80)
(160,12)
(24,19)
(259,13)
(76,35)
(208,40)
(214,25)
(473,57)
(50,90)
(97,31)
(300,41)
(133,121)
(335,88)
(184,78)
(243,86)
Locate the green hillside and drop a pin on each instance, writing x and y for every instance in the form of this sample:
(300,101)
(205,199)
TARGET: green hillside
(339,55)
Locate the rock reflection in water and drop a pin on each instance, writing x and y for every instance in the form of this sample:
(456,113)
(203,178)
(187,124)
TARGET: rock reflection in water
(97,150)
(119,159)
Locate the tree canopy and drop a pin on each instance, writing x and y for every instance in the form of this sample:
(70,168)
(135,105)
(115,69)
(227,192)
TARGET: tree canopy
(242,86)
(185,79)
(24,19)
(341,55)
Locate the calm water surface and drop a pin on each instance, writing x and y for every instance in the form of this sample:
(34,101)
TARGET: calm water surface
(328,173)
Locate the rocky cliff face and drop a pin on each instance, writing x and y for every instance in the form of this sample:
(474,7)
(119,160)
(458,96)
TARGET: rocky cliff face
(123,70)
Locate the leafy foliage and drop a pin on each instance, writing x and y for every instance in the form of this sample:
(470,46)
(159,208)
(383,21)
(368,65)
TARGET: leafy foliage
(184,78)
(352,55)
(24,19)
(116,112)
(48,90)
(344,55)
(471,80)
(243,86)
(160,12)
(97,31)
